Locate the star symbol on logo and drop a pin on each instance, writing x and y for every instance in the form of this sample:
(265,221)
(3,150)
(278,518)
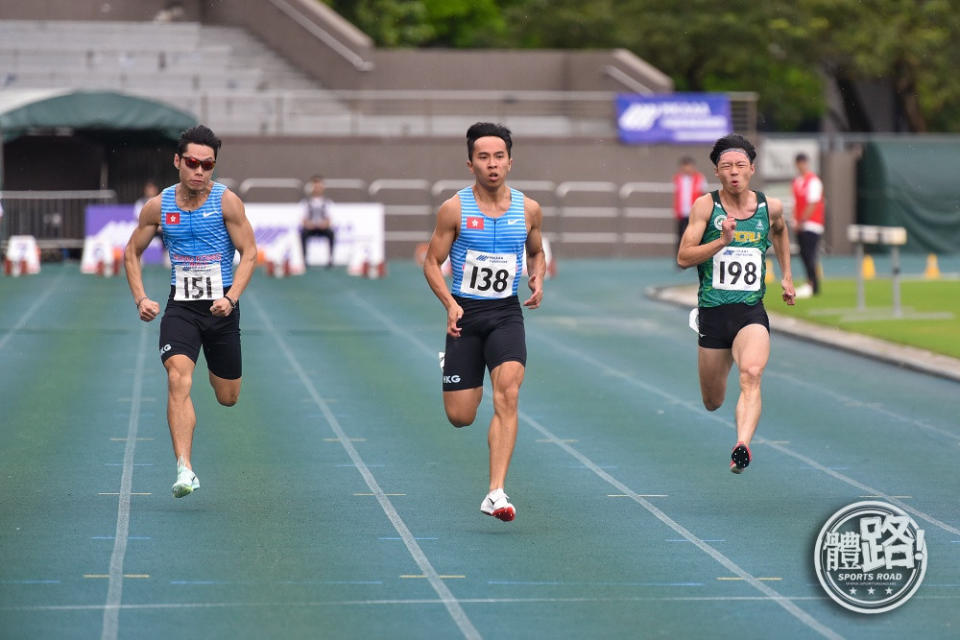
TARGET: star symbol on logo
(853,591)
(889,591)
(871,590)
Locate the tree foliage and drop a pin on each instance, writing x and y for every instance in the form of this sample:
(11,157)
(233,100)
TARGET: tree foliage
(788,52)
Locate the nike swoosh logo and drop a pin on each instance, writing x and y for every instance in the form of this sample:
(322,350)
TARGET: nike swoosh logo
(513,221)
(207,214)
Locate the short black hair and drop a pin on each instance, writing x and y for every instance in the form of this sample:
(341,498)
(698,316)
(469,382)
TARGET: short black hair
(687,160)
(199,134)
(732,141)
(802,157)
(484,129)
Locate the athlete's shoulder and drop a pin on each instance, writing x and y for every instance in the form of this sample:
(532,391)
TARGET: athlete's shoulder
(449,212)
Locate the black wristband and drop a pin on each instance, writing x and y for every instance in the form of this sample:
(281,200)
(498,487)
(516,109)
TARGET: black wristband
(230,300)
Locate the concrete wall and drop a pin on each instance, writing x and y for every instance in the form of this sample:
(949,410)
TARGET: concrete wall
(839,175)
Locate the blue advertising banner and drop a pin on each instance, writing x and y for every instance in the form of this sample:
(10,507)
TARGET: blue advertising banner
(675,117)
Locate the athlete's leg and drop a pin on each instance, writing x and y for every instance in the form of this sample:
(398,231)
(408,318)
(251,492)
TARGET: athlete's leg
(180,413)
(714,368)
(751,350)
(461,405)
(506,378)
(227,390)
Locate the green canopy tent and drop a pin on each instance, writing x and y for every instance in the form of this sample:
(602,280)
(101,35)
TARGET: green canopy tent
(115,122)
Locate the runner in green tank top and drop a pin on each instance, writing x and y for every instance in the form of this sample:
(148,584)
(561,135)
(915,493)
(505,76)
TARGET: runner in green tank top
(729,232)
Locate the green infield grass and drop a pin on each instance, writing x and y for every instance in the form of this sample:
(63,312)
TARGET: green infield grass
(930,311)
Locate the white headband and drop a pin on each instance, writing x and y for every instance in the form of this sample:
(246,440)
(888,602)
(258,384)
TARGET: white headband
(737,149)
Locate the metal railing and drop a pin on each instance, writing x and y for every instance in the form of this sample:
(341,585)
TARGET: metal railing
(55,218)
(622,216)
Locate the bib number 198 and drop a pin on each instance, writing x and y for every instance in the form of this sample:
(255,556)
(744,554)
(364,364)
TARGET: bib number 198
(738,269)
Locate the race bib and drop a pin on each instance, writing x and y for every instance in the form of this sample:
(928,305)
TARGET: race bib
(198,281)
(488,275)
(738,269)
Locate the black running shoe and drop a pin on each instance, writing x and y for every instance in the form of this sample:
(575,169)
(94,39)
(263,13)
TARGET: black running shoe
(740,458)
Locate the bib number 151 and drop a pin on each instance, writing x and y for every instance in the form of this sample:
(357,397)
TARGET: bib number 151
(203,282)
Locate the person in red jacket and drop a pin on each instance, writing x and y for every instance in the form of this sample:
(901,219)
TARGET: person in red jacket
(808,222)
(688,185)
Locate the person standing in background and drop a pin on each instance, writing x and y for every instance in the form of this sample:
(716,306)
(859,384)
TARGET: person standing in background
(316,217)
(808,217)
(688,185)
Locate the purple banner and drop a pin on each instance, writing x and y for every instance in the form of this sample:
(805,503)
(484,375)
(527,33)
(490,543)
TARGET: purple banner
(683,118)
(114,223)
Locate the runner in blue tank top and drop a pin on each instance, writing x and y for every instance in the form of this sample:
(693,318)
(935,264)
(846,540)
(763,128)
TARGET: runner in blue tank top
(204,225)
(728,234)
(485,229)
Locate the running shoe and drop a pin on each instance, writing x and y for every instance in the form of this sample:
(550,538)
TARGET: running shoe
(186,483)
(497,504)
(740,458)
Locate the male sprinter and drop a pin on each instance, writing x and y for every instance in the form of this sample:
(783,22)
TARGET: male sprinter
(485,229)
(203,225)
(729,232)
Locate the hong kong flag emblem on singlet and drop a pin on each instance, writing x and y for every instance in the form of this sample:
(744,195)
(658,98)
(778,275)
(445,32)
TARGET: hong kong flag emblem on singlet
(173,218)
(475,222)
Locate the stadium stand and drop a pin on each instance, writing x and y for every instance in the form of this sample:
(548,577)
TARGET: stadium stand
(294,89)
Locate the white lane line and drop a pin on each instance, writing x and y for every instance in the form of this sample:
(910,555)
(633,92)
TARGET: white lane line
(857,402)
(696,408)
(31,310)
(422,601)
(791,608)
(111,612)
(446,596)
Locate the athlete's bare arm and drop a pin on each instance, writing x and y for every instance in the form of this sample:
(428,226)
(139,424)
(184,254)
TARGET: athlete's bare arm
(147,226)
(781,247)
(241,233)
(691,252)
(536,261)
(448,226)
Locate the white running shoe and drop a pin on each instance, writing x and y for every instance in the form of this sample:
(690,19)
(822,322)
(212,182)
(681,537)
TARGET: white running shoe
(804,291)
(186,483)
(497,504)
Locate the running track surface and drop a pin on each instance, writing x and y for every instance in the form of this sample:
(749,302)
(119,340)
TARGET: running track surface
(336,501)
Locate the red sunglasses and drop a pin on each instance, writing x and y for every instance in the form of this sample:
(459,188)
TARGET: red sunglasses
(193,163)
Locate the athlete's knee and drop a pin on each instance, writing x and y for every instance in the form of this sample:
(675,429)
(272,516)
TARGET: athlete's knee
(507,397)
(750,376)
(712,404)
(461,417)
(228,398)
(179,381)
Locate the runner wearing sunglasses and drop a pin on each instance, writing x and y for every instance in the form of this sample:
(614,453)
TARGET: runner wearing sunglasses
(203,225)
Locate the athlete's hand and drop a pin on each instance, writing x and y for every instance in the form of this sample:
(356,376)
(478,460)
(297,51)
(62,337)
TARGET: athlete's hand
(221,307)
(536,288)
(726,230)
(454,313)
(789,293)
(148,309)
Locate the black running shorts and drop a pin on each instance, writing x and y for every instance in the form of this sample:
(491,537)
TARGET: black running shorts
(187,326)
(491,333)
(718,326)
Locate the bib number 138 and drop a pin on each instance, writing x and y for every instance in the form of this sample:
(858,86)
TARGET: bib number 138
(738,269)
(193,282)
(488,275)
